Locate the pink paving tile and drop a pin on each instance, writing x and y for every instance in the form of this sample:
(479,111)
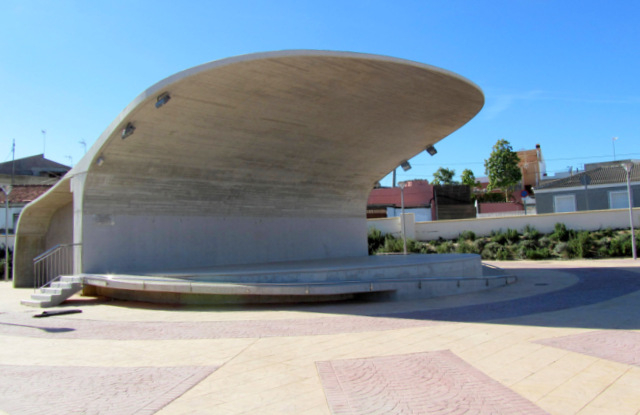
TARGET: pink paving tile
(616,345)
(94,390)
(24,325)
(421,383)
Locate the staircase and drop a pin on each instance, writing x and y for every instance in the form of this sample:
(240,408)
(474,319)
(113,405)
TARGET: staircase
(56,292)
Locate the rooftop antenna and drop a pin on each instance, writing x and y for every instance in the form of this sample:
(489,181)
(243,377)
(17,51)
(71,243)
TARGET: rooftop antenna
(13,162)
(70,160)
(83,144)
(44,142)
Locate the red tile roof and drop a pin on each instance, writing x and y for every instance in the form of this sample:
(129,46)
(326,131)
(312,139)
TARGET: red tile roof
(24,193)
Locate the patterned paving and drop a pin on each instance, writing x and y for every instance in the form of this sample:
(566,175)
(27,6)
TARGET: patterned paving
(422,383)
(60,328)
(615,345)
(37,390)
(589,290)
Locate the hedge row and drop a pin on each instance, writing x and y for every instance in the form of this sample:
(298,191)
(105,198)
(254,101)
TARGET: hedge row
(562,243)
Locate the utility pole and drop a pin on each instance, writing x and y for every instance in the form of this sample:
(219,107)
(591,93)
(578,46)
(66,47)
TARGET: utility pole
(7,191)
(628,167)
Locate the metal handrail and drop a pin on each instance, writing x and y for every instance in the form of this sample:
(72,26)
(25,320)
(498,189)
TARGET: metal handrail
(53,263)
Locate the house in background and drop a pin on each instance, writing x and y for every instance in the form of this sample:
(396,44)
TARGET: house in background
(600,186)
(385,202)
(533,169)
(37,168)
(425,201)
(30,177)
(20,195)
(532,166)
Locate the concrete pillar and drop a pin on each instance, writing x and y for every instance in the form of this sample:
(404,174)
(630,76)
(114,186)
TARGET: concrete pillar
(410,225)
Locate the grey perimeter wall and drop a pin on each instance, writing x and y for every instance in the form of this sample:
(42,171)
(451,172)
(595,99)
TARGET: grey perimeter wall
(165,243)
(451,229)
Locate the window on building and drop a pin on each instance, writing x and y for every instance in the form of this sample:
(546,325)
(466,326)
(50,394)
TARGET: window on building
(618,200)
(564,203)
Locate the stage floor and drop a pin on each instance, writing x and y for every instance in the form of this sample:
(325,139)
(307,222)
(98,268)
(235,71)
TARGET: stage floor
(397,276)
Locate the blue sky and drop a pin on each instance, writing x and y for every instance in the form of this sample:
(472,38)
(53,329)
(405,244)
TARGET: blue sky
(562,74)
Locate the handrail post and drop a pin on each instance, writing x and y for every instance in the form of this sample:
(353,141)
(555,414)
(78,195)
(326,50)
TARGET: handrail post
(53,263)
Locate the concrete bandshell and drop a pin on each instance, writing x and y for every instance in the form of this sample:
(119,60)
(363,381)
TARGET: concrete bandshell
(258,158)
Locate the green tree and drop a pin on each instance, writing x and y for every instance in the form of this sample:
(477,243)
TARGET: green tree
(502,168)
(443,176)
(469,179)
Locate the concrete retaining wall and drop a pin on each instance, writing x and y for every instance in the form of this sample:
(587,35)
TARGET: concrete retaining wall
(450,229)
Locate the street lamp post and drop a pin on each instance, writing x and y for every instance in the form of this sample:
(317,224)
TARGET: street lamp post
(404,237)
(628,166)
(6,189)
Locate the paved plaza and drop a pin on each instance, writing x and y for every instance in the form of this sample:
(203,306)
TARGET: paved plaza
(565,339)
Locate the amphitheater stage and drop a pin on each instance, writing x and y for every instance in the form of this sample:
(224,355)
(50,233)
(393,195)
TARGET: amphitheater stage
(394,277)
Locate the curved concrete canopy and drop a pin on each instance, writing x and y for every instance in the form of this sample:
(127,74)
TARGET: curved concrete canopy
(257,158)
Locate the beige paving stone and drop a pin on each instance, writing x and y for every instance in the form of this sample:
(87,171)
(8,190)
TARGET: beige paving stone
(621,397)
(541,358)
(578,391)
(303,403)
(28,351)
(542,382)
(318,410)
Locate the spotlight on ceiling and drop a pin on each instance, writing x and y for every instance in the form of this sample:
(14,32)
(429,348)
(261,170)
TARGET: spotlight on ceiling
(128,130)
(100,161)
(163,99)
(431,150)
(405,165)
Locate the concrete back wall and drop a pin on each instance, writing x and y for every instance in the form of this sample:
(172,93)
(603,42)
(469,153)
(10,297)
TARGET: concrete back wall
(160,243)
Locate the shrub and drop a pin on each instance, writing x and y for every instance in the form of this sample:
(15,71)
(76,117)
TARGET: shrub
(376,240)
(512,235)
(445,248)
(391,245)
(526,245)
(498,237)
(539,253)
(561,233)
(427,248)
(468,236)
(531,233)
(490,250)
(504,254)
(414,246)
(620,245)
(581,245)
(479,244)
(2,262)
(608,232)
(466,247)
(561,249)
(545,241)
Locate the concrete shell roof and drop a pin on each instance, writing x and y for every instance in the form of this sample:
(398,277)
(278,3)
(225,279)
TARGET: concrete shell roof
(267,133)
